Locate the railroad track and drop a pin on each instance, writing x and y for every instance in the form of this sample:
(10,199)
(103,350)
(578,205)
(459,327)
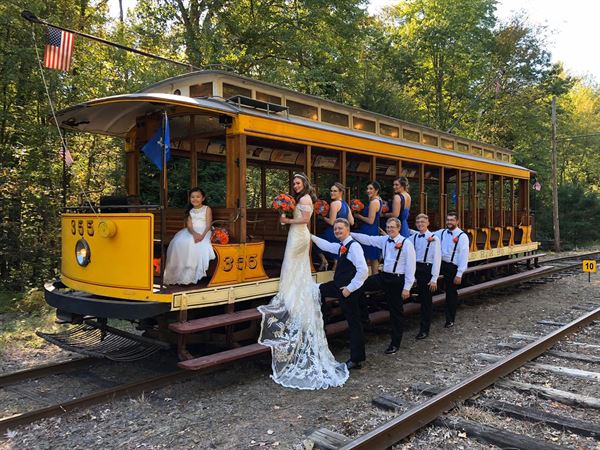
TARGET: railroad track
(20,384)
(443,400)
(545,273)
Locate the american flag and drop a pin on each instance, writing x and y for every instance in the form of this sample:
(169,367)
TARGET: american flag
(58,52)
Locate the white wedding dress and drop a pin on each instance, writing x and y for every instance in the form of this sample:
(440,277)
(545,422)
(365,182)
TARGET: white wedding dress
(292,323)
(187,261)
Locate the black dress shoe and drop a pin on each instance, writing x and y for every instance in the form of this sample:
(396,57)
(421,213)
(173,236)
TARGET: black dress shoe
(352,365)
(421,335)
(449,325)
(391,349)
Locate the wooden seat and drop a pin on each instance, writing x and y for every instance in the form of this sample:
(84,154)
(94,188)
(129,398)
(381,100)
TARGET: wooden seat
(525,234)
(509,236)
(472,233)
(518,235)
(497,239)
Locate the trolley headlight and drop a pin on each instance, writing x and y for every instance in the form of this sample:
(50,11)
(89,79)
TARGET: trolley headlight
(82,252)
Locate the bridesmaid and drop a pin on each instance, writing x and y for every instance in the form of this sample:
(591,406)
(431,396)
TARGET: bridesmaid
(370,225)
(338,208)
(401,204)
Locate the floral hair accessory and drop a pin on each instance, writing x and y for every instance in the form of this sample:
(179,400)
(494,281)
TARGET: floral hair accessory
(356,205)
(321,207)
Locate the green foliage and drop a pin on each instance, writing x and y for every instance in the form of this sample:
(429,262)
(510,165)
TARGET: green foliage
(447,64)
(578,215)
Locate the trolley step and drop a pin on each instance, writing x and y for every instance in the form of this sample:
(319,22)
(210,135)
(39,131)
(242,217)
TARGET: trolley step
(209,323)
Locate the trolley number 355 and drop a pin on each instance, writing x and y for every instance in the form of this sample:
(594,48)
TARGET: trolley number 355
(239,263)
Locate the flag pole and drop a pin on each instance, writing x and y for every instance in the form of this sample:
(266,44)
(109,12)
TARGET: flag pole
(64,170)
(163,202)
(28,15)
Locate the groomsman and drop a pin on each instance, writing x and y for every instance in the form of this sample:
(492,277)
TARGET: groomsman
(455,257)
(350,274)
(429,258)
(397,277)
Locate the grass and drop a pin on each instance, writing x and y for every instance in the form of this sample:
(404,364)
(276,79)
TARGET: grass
(21,314)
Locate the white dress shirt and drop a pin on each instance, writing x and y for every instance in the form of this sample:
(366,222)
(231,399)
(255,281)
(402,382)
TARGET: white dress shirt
(461,256)
(434,255)
(406,264)
(355,255)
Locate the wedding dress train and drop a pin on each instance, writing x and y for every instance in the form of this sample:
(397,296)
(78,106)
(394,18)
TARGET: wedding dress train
(292,323)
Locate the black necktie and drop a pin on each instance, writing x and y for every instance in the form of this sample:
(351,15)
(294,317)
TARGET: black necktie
(422,235)
(390,240)
(449,231)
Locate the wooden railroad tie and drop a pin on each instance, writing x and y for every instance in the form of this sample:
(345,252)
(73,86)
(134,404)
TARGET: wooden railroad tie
(568,398)
(529,338)
(485,433)
(559,370)
(556,353)
(557,421)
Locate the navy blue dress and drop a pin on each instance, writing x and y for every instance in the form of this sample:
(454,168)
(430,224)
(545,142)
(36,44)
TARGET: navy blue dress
(403,217)
(328,235)
(371,253)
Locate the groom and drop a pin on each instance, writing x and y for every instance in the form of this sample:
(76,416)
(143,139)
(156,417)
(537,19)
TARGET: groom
(350,273)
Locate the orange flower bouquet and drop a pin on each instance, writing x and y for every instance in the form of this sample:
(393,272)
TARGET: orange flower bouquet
(356,205)
(384,207)
(220,236)
(284,204)
(321,208)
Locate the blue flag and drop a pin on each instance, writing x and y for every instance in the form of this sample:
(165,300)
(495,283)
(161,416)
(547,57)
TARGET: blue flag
(154,147)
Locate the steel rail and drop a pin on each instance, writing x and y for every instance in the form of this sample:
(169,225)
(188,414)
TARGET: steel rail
(412,420)
(561,258)
(92,399)
(44,370)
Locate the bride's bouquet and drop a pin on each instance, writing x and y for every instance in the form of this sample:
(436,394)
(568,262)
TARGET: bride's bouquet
(356,205)
(321,208)
(284,204)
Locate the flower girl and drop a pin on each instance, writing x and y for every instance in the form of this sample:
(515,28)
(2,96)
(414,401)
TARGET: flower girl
(190,250)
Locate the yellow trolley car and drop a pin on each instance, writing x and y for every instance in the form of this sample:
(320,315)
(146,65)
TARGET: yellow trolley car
(242,140)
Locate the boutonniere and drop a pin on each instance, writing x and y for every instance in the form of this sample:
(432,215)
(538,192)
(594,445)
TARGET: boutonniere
(431,238)
(343,250)
(398,245)
(455,240)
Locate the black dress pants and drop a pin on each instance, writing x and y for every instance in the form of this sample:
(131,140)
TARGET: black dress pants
(351,312)
(449,271)
(392,285)
(423,276)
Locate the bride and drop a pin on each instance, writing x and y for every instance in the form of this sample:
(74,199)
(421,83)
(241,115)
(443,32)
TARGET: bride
(292,323)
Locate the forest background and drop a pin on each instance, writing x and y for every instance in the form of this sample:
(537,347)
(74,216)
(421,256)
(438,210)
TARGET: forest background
(448,64)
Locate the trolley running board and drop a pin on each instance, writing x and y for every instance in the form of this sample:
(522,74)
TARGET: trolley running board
(101,341)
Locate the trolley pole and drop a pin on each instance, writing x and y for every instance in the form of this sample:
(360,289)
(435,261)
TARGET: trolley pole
(163,202)
(555,220)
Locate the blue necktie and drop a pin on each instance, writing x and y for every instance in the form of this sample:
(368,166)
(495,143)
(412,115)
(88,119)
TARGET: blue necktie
(449,231)
(422,235)
(390,240)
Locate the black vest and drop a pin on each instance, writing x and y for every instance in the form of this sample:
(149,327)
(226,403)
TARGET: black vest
(345,269)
